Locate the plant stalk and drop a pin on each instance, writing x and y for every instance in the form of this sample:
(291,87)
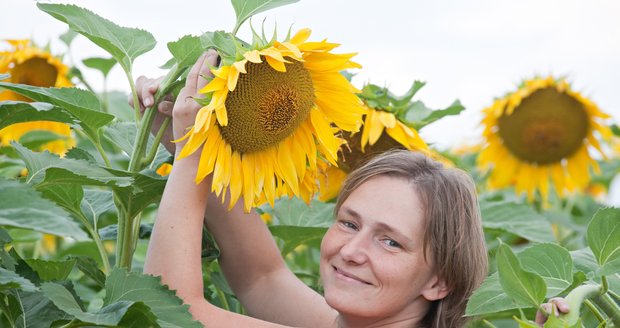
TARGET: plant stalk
(153,152)
(607,304)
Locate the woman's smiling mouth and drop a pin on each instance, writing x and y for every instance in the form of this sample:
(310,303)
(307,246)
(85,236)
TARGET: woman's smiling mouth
(346,276)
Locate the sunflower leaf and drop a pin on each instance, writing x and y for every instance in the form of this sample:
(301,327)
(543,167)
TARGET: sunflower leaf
(552,262)
(420,116)
(124,44)
(68,37)
(603,237)
(521,285)
(516,219)
(82,105)
(186,50)
(10,279)
(109,315)
(222,42)
(104,65)
(245,9)
(490,298)
(48,168)
(23,207)
(406,98)
(132,286)
(12,112)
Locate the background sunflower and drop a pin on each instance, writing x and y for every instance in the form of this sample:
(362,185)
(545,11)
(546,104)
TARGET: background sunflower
(269,118)
(28,64)
(388,124)
(542,133)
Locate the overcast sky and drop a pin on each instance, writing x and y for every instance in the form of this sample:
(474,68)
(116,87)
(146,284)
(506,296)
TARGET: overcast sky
(472,50)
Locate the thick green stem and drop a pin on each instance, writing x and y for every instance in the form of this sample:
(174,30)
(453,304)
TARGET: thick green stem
(102,152)
(124,250)
(594,310)
(144,127)
(153,152)
(100,247)
(576,297)
(608,306)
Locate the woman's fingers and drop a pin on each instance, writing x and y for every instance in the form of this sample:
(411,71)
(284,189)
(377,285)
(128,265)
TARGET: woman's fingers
(560,304)
(165,107)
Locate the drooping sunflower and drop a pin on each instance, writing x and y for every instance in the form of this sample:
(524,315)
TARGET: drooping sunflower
(273,113)
(381,132)
(541,135)
(28,64)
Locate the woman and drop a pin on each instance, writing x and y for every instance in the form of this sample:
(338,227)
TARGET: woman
(406,248)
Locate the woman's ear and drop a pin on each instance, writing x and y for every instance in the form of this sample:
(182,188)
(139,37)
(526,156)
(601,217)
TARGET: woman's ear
(436,289)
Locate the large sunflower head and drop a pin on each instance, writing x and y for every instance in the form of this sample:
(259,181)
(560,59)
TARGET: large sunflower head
(540,134)
(384,129)
(274,111)
(28,64)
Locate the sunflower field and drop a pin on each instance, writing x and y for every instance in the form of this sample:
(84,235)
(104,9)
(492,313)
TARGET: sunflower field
(280,128)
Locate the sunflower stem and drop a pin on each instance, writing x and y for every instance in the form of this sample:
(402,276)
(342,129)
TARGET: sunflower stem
(607,304)
(153,152)
(136,163)
(95,235)
(101,151)
(594,310)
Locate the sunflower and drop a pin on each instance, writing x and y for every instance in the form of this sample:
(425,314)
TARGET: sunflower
(541,135)
(371,142)
(31,65)
(273,113)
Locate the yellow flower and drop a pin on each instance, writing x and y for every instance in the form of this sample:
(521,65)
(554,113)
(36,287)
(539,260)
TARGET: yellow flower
(30,65)
(273,114)
(371,142)
(541,134)
(164,169)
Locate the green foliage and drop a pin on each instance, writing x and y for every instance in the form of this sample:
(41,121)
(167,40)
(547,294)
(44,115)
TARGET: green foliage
(523,286)
(517,219)
(104,65)
(245,9)
(604,239)
(124,44)
(12,112)
(131,286)
(23,207)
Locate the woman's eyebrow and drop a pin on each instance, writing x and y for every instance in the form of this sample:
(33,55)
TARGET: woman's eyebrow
(379,225)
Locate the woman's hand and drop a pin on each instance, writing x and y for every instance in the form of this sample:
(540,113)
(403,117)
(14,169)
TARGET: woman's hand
(146,89)
(555,306)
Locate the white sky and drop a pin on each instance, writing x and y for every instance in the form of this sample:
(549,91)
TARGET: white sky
(472,50)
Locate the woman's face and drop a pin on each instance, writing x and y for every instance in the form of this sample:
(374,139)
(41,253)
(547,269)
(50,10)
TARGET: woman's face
(372,262)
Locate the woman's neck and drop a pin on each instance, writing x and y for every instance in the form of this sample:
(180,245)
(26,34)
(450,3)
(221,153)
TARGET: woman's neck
(412,321)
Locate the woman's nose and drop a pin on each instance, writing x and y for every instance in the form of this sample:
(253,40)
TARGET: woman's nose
(355,249)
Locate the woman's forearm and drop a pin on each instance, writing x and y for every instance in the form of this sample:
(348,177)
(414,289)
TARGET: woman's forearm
(174,251)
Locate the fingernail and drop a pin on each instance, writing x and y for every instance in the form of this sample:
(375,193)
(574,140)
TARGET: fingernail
(148,102)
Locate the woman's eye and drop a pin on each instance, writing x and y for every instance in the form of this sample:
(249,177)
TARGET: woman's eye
(348,225)
(392,243)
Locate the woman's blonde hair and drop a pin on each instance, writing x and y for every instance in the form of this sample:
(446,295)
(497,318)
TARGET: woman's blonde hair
(453,234)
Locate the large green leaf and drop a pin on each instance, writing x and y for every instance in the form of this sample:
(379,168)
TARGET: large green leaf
(146,190)
(123,135)
(222,41)
(186,50)
(51,270)
(523,286)
(124,44)
(490,298)
(110,315)
(552,262)
(584,260)
(23,207)
(518,219)
(82,105)
(67,196)
(90,268)
(95,203)
(248,8)
(131,286)
(12,112)
(49,168)
(296,223)
(104,65)
(420,116)
(10,279)
(38,311)
(604,239)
